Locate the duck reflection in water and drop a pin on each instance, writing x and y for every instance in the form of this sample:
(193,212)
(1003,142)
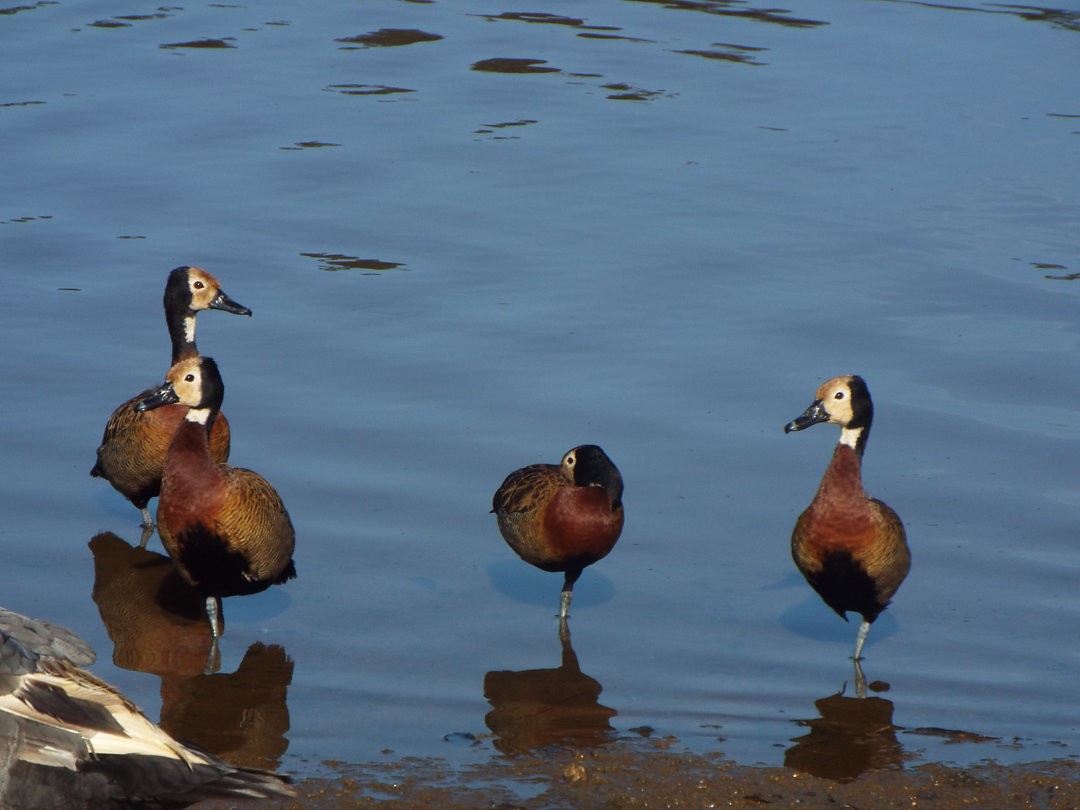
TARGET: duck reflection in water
(853,735)
(157,623)
(539,707)
(241,716)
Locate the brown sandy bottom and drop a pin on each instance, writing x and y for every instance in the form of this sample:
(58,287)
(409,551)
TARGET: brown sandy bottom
(640,776)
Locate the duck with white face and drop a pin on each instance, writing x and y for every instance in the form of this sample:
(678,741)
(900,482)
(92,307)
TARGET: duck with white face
(131,456)
(851,548)
(563,517)
(225,527)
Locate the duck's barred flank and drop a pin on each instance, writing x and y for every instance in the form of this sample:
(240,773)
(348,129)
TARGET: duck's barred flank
(225,527)
(134,444)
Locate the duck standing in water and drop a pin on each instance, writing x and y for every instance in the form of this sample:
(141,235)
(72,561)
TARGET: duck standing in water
(132,452)
(851,548)
(69,740)
(565,517)
(225,527)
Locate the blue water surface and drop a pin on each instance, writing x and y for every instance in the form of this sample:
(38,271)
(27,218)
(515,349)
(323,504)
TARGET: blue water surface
(657,228)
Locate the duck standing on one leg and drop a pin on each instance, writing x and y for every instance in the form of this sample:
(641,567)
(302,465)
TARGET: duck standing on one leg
(851,548)
(133,447)
(565,517)
(225,527)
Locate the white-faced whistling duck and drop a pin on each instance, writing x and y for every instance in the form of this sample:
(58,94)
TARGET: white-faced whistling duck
(225,527)
(565,517)
(132,452)
(68,739)
(851,548)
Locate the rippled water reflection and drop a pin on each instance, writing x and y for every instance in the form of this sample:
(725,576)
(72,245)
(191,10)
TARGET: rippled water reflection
(476,237)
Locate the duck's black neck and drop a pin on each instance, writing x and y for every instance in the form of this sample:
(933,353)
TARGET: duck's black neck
(857,432)
(212,394)
(180,319)
(182,335)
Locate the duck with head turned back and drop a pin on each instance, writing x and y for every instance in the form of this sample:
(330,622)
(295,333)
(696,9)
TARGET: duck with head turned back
(565,517)
(851,548)
(132,452)
(225,527)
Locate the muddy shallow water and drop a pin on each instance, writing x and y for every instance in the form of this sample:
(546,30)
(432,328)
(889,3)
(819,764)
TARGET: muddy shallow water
(641,775)
(473,238)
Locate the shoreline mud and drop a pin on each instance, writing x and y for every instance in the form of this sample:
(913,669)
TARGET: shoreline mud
(642,774)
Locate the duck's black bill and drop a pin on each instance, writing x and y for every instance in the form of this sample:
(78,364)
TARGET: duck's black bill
(811,416)
(225,304)
(165,395)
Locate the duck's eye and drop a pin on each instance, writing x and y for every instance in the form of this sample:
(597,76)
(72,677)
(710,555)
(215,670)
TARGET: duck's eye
(198,285)
(189,377)
(838,395)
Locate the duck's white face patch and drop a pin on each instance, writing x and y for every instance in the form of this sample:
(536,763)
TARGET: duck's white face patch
(197,415)
(850,437)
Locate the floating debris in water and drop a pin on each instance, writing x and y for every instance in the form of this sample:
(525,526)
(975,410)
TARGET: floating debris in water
(1051,276)
(17,9)
(300,145)
(546,19)
(732,53)
(512,65)
(625,92)
(724,9)
(201,43)
(461,737)
(489,129)
(524,122)
(620,37)
(21,220)
(387,38)
(125,20)
(365,89)
(339,261)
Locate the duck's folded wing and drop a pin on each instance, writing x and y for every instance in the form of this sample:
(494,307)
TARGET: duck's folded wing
(24,641)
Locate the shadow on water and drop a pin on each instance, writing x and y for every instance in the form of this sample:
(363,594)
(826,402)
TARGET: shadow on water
(812,619)
(531,586)
(158,625)
(534,708)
